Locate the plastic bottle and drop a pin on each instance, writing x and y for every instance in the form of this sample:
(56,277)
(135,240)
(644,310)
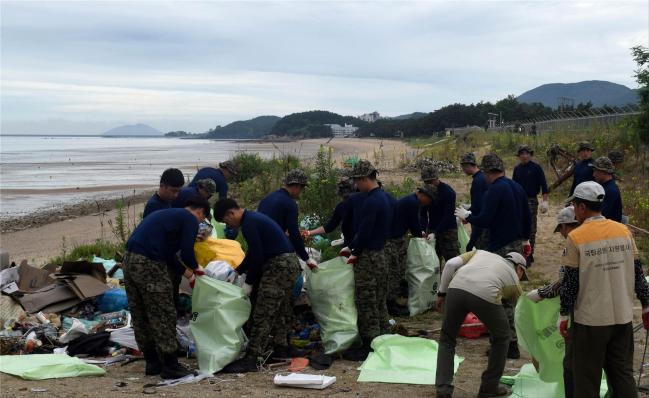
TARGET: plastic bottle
(32,342)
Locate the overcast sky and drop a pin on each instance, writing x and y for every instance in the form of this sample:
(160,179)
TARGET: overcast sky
(89,66)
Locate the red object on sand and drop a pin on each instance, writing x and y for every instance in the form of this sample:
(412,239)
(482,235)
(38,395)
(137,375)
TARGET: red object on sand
(472,328)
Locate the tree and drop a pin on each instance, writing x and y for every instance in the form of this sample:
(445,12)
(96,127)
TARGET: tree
(641,57)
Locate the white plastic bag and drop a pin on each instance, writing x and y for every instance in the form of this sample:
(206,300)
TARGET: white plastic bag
(76,330)
(422,274)
(221,271)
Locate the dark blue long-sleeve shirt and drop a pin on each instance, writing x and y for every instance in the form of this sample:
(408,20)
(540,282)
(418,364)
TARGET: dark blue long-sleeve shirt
(215,175)
(439,216)
(265,240)
(479,186)
(375,220)
(531,177)
(612,204)
(283,209)
(353,215)
(155,203)
(523,207)
(406,217)
(339,217)
(185,194)
(163,233)
(498,214)
(582,173)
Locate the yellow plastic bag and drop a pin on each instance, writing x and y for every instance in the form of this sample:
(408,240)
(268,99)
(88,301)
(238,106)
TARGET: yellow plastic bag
(219,249)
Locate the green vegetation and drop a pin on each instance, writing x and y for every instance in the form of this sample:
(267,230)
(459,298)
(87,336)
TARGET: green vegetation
(244,129)
(641,57)
(101,248)
(311,124)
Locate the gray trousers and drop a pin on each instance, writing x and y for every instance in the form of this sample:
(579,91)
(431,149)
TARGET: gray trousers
(458,304)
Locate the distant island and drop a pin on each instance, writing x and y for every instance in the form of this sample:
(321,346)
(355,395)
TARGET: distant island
(133,130)
(597,92)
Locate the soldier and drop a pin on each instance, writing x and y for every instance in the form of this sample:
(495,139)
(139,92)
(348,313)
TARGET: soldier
(271,264)
(204,188)
(171,181)
(281,207)
(367,256)
(479,186)
(603,172)
(617,157)
(227,171)
(583,171)
(532,178)
(406,218)
(148,288)
(339,216)
(439,216)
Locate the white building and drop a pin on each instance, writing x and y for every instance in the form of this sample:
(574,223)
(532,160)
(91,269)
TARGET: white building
(370,117)
(347,130)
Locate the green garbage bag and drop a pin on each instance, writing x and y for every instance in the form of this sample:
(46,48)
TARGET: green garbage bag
(219,310)
(462,236)
(400,359)
(422,275)
(47,366)
(218,228)
(528,384)
(331,293)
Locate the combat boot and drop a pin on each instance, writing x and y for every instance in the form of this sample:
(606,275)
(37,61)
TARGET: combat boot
(357,353)
(243,365)
(172,369)
(286,352)
(395,309)
(153,365)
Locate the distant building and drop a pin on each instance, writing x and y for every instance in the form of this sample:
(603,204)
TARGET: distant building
(342,131)
(370,117)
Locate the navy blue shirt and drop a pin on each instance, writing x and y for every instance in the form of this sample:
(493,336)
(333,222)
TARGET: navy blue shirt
(523,208)
(406,217)
(612,204)
(479,186)
(582,173)
(440,215)
(531,177)
(282,208)
(155,203)
(185,194)
(215,175)
(339,217)
(265,240)
(375,221)
(354,213)
(163,233)
(498,214)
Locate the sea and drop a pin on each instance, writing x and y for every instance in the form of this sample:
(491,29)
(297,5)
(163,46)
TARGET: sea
(45,172)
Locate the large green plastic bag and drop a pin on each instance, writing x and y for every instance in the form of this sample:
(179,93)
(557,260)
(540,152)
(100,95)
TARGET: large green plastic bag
(528,384)
(47,366)
(399,359)
(422,274)
(331,293)
(219,310)
(462,236)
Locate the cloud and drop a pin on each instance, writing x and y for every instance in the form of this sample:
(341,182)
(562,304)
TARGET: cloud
(192,65)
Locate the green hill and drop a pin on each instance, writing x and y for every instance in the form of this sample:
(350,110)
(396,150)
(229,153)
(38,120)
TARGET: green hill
(244,129)
(311,124)
(598,92)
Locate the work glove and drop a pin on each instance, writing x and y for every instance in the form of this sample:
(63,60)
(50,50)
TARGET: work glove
(534,296)
(197,272)
(430,237)
(527,249)
(439,305)
(562,326)
(345,252)
(305,233)
(544,207)
(352,260)
(645,318)
(462,213)
(247,289)
(312,264)
(466,206)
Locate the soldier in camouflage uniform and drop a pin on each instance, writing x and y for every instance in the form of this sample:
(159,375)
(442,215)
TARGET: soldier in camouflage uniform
(368,259)
(479,236)
(271,267)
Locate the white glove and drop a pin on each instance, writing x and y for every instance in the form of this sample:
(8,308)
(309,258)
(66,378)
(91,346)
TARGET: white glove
(430,237)
(544,207)
(462,213)
(466,206)
(534,296)
(312,264)
(345,252)
(247,289)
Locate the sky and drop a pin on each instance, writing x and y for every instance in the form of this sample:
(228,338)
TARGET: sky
(85,67)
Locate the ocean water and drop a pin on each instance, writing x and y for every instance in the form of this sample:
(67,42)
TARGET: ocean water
(40,172)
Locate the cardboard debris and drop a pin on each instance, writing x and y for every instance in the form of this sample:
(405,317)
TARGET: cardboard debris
(31,278)
(96,270)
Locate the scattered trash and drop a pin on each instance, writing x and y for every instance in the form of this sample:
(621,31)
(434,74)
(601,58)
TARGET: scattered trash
(303,380)
(149,391)
(39,389)
(442,166)
(121,384)
(298,364)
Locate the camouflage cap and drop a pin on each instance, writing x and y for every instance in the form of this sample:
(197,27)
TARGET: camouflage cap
(491,161)
(603,164)
(296,176)
(345,186)
(429,173)
(430,190)
(207,184)
(616,156)
(229,166)
(525,148)
(468,158)
(585,145)
(363,168)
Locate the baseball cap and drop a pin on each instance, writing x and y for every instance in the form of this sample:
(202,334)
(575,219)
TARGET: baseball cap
(590,191)
(518,259)
(565,216)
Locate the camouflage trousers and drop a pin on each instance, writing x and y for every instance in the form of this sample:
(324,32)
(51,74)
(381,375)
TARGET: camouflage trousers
(515,246)
(396,253)
(150,300)
(534,209)
(272,315)
(371,287)
(446,244)
(482,240)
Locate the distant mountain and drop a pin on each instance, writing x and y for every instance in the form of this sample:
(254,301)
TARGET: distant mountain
(311,124)
(414,115)
(596,91)
(134,130)
(244,129)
